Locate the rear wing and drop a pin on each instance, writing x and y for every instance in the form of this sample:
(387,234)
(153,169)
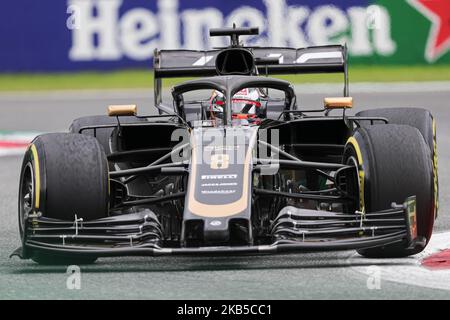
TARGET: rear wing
(268,61)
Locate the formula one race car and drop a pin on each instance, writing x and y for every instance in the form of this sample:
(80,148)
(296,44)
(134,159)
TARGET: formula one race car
(234,166)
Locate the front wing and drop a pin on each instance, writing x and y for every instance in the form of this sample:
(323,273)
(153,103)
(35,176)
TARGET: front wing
(138,235)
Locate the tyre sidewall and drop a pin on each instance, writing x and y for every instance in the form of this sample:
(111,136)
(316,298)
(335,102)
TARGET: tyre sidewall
(388,176)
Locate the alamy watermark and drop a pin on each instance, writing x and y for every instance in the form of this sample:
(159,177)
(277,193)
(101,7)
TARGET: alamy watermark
(374,280)
(374,17)
(73,22)
(220,148)
(73,281)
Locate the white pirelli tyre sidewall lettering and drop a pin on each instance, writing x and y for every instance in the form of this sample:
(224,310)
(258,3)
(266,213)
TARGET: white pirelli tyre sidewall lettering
(318,55)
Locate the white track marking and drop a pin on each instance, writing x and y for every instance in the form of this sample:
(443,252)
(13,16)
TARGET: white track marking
(408,270)
(12,152)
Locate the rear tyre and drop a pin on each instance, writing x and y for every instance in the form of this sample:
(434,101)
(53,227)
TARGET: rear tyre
(394,163)
(420,119)
(63,175)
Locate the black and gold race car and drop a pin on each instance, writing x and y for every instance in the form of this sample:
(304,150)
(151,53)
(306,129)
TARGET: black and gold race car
(232,166)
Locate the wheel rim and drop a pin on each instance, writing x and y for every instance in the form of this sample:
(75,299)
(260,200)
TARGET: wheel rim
(352,161)
(26,197)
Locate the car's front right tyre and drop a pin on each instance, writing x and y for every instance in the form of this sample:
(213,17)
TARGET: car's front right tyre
(63,176)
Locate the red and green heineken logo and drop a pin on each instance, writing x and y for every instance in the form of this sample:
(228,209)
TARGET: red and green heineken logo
(115,34)
(438,12)
(375,31)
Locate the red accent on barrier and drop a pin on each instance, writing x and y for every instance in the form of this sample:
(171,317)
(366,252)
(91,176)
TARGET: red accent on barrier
(13,144)
(440,260)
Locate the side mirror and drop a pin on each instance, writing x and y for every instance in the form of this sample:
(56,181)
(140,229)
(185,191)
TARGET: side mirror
(338,103)
(122,110)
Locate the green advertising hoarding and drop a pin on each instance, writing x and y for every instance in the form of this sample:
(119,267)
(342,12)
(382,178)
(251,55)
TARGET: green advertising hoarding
(419,33)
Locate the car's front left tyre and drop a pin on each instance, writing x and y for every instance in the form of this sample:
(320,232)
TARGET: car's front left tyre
(393,163)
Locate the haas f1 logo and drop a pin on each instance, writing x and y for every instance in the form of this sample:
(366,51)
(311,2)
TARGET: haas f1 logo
(220,161)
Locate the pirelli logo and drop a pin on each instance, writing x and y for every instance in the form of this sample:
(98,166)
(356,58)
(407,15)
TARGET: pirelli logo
(218,176)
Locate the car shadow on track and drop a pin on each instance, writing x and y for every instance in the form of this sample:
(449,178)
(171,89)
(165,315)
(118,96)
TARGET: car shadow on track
(183,264)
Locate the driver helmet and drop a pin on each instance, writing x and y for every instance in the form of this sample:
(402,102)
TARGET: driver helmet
(245,104)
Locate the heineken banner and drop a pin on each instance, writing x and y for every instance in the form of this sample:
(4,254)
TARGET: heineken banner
(73,35)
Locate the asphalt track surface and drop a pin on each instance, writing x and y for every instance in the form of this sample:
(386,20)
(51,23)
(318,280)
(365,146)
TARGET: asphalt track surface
(296,276)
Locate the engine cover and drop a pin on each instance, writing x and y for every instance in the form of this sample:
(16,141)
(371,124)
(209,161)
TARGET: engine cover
(219,193)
